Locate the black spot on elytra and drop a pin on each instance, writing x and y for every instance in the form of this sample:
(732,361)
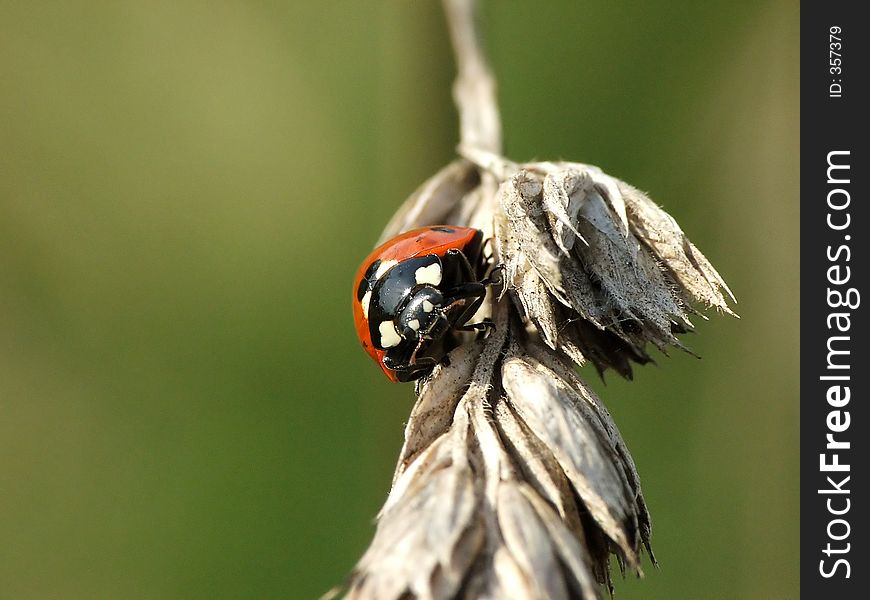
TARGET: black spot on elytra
(444,229)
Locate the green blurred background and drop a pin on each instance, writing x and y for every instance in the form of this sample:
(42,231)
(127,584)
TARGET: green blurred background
(186,188)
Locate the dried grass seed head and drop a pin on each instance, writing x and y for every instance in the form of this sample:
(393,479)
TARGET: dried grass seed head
(514,481)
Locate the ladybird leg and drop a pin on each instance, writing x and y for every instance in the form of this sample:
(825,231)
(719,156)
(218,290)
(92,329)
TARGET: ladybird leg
(467,271)
(424,362)
(413,373)
(469,274)
(486,325)
(409,373)
(470,295)
(492,279)
(487,251)
(405,358)
(400,362)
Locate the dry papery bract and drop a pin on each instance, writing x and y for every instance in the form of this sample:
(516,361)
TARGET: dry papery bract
(514,481)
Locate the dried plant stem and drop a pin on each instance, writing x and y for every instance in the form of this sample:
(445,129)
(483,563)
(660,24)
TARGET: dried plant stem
(474,90)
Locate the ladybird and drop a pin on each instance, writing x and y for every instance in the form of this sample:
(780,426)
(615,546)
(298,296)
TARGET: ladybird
(413,293)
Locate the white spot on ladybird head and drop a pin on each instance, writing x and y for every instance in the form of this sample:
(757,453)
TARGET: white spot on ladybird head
(430,275)
(428,306)
(414,324)
(389,335)
(366,300)
(384,267)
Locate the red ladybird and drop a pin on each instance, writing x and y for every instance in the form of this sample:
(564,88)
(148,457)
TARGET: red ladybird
(412,292)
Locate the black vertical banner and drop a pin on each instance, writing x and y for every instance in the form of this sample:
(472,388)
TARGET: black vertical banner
(835,223)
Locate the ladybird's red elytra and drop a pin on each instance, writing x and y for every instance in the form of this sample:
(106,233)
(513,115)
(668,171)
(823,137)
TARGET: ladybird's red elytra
(413,292)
